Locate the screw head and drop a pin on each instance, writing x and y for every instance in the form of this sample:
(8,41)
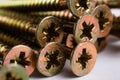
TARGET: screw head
(13,72)
(22,55)
(105,19)
(51,59)
(49,30)
(87,29)
(83,58)
(81,7)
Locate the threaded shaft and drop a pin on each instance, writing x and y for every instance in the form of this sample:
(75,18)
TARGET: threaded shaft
(110,3)
(12,41)
(18,24)
(32,5)
(63,14)
(13,14)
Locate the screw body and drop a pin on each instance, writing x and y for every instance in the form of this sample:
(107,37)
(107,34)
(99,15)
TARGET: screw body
(63,14)
(37,29)
(34,5)
(110,3)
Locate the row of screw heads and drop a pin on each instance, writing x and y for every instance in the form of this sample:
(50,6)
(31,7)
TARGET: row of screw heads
(84,28)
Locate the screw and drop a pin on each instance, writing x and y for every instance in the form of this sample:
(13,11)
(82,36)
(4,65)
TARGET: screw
(42,31)
(110,3)
(81,7)
(22,55)
(101,43)
(87,29)
(83,58)
(51,59)
(78,7)
(31,5)
(63,14)
(105,18)
(13,72)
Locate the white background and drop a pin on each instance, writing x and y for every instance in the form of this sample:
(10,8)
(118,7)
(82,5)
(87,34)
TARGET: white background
(107,66)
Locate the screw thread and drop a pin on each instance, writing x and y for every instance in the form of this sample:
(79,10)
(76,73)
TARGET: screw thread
(34,4)
(14,40)
(110,3)
(18,24)
(13,14)
(63,14)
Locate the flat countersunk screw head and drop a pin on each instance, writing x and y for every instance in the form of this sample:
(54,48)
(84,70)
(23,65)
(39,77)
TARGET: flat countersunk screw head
(50,30)
(51,59)
(81,7)
(83,58)
(13,72)
(22,55)
(87,29)
(105,19)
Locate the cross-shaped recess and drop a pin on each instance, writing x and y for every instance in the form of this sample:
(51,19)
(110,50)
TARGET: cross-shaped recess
(52,59)
(9,76)
(22,60)
(100,40)
(82,3)
(102,20)
(84,58)
(87,29)
(51,32)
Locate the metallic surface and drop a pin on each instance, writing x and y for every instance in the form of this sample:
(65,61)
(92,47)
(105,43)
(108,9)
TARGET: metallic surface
(34,5)
(87,29)
(81,7)
(49,29)
(83,58)
(105,18)
(13,72)
(110,3)
(22,55)
(63,14)
(51,59)
(24,27)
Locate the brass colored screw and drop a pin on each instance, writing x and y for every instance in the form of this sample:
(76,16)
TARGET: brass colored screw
(87,29)
(23,55)
(78,7)
(81,7)
(13,72)
(41,31)
(105,19)
(51,59)
(31,5)
(63,14)
(110,3)
(83,58)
